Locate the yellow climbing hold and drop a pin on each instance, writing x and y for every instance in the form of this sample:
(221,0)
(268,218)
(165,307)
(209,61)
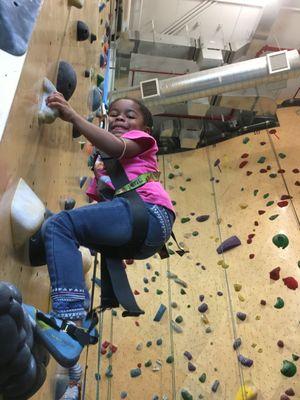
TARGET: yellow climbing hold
(204,319)
(237,287)
(243,206)
(223,264)
(246,392)
(241,298)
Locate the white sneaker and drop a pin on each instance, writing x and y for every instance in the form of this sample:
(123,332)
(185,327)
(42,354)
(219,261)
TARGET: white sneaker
(72,393)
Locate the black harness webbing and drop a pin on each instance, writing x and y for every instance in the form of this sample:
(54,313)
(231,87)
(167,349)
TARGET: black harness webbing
(115,287)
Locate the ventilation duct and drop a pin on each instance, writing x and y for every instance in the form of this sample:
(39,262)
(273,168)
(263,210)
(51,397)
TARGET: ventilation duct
(279,66)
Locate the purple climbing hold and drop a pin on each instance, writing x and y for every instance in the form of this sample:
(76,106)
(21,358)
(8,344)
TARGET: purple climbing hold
(203,308)
(241,316)
(191,367)
(228,244)
(201,297)
(246,362)
(188,355)
(237,343)
(202,218)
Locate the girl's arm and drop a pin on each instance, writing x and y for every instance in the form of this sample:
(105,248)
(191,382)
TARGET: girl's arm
(100,138)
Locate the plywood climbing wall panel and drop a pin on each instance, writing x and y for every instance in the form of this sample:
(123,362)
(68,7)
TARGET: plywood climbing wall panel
(240,195)
(47,157)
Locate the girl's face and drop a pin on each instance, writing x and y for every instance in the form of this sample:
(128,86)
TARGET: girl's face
(124,116)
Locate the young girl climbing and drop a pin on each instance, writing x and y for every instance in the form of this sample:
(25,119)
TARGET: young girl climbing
(106,223)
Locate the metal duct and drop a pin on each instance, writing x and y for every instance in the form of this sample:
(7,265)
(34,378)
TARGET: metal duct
(274,67)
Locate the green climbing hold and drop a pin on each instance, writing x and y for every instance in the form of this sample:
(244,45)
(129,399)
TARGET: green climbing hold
(171,176)
(281,240)
(261,160)
(266,195)
(159,342)
(272,175)
(108,372)
(182,188)
(188,179)
(246,140)
(148,363)
(149,343)
(179,319)
(114,313)
(186,395)
(295,357)
(202,378)
(281,155)
(269,203)
(184,220)
(170,359)
(195,233)
(255,192)
(159,291)
(182,291)
(279,303)
(288,369)
(273,217)
(171,252)
(176,166)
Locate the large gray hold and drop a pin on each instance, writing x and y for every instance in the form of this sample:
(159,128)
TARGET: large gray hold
(17,20)
(66,79)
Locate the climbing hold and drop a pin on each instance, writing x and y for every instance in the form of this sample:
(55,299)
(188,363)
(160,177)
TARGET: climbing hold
(186,395)
(179,319)
(290,282)
(160,312)
(247,392)
(83,31)
(245,155)
(255,192)
(169,359)
(184,220)
(203,308)
(148,363)
(272,175)
(191,367)
(282,204)
(228,244)
(93,38)
(94,98)
(204,319)
(202,218)
(275,274)
(102,60)
(176,327)
(279,303)
(102,6)
(261,212)
(180,282)
(123,395)
(246,362)
(149,343)
(182,188)
(288,369)
(215,386)
(246,140)
(188,355)
(66,79)
(135,372)
(248,173)
(76,3)
(202,377)
(280,344)
(67,204)
(281,155)
(237,343)
(261,160)
(47,115)
(237,287)
(159,342)
(281,240)
(272,217)
(158,291)
(270,203)
(243,163)
(241,316)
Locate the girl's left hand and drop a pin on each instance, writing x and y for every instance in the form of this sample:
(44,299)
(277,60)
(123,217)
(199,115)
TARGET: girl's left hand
(57,100)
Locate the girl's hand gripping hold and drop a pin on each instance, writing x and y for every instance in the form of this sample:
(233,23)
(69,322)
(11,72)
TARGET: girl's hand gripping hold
(66,112)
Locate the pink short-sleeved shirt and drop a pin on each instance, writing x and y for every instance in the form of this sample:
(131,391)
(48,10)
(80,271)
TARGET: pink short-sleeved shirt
(151,192)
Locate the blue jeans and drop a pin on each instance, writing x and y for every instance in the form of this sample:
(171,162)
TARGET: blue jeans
(93,226)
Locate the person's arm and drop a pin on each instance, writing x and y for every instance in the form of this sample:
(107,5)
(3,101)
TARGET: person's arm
(100,138)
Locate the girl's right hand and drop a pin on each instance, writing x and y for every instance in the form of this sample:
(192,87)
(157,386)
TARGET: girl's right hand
(57,100)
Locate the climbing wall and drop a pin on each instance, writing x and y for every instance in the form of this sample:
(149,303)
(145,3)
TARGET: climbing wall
(46,156)
(246,297)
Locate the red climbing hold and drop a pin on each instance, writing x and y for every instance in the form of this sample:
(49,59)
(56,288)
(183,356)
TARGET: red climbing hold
(248,173)
(113,348)
(261,212)
(245,155)
(256,223)
(272,131)
(283,203)
(251,235)
(297,183)
(290,282)
(296,171)
(137,323)
(251,256)
(136,292)
(262,143)
(249,241)
(243,163)
(263,171)
(281,171)
(275,274)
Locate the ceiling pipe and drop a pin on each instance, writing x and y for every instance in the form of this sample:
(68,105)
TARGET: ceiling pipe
(228,78)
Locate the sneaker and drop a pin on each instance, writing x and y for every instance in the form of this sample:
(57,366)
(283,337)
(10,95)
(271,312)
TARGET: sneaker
(72,392)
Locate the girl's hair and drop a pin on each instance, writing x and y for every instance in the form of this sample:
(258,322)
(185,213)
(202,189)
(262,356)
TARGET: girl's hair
(147,116)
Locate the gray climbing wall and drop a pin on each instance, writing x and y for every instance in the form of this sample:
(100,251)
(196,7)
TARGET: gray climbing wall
(240,199)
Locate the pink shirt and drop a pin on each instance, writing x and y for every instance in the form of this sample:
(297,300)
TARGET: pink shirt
(151,192)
